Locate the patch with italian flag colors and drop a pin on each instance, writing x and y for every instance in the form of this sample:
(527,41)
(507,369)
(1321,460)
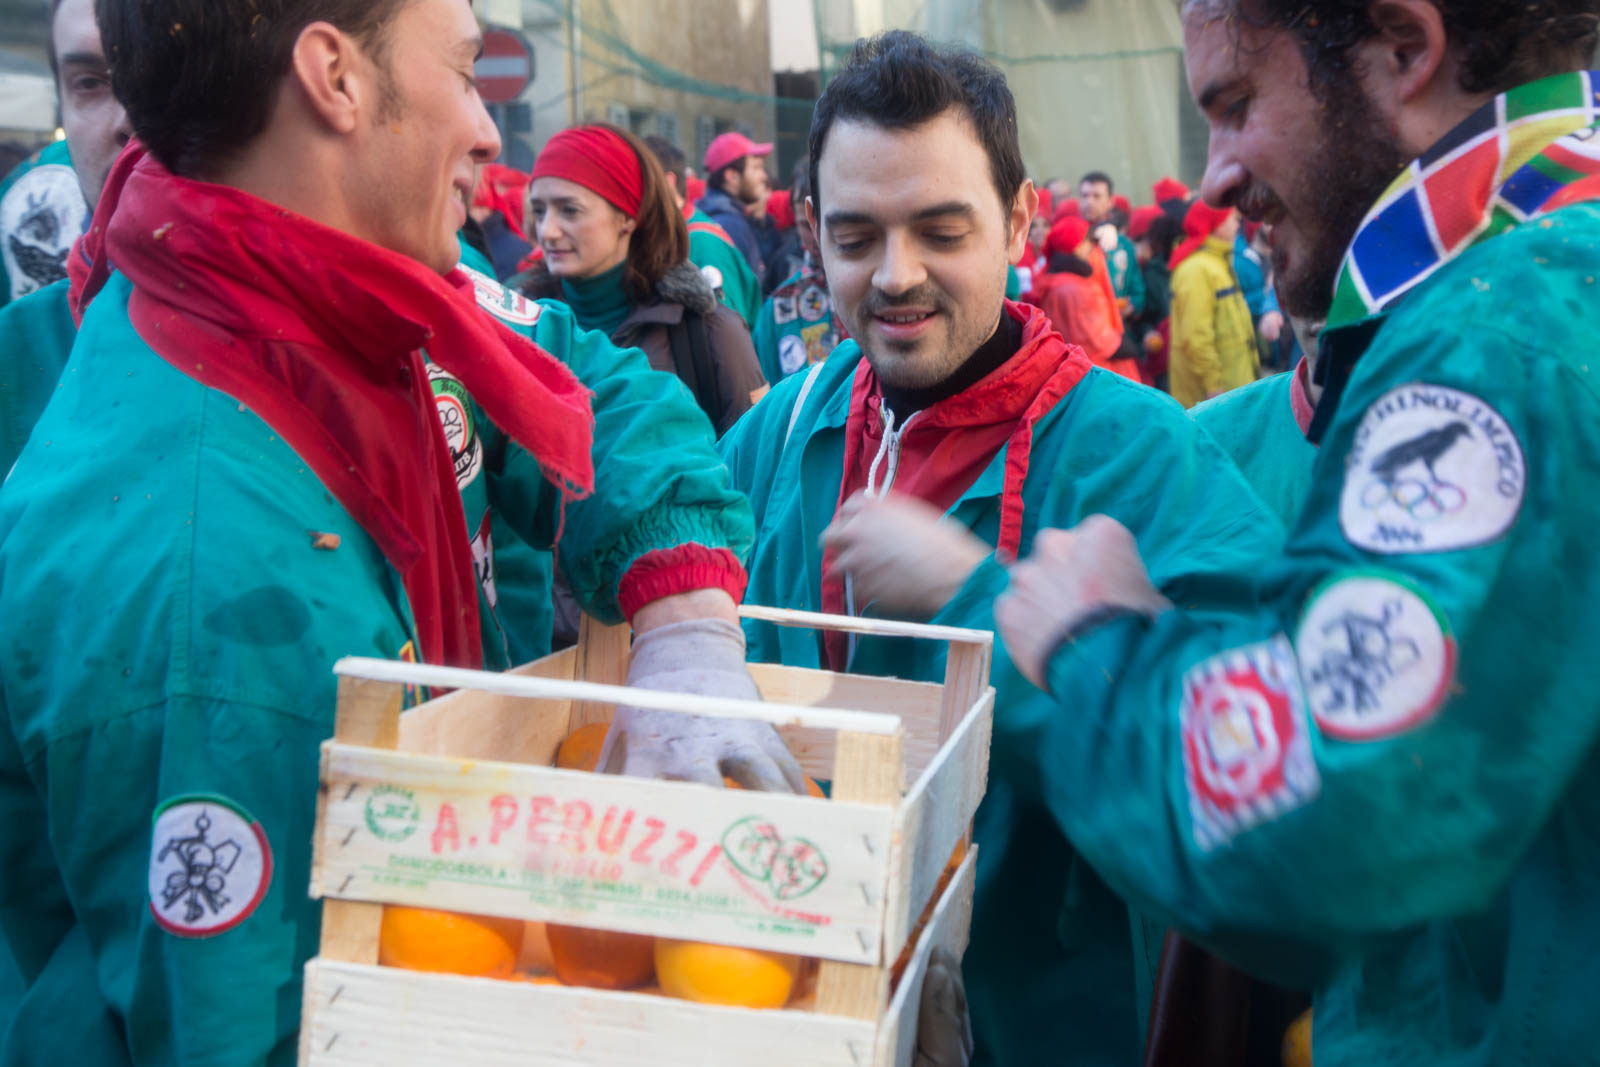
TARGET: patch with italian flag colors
(210,865)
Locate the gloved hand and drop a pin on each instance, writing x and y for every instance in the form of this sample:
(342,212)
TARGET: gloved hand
(904,557)
(1106,236)
(706,657)
(944,1029)
(1072,577)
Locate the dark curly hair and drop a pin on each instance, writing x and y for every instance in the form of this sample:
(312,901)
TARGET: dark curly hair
(1504,43)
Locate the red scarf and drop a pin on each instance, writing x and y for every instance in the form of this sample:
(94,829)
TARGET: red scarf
(950,444)
(319,334)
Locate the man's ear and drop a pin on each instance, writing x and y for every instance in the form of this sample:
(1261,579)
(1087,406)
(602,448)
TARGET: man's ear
(1018,221)
(331,75)
(811,218)
(1401,61)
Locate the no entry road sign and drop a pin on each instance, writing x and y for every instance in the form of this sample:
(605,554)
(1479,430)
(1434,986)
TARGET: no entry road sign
(506,66)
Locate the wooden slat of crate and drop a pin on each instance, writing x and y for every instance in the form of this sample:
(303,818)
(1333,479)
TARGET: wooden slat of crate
(919,705)
(935,815)
(383,809)
(476,725)
(947,928)
(361,1015)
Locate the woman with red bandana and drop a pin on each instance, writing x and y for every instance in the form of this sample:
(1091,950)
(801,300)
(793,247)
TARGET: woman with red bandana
(616,251)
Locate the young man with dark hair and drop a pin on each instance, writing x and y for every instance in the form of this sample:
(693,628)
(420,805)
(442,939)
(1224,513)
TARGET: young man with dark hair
(1097,198)
(1380,780)
(797,327)
(899,475)
(736,185)
(252,422)
(710,246)
(45,202)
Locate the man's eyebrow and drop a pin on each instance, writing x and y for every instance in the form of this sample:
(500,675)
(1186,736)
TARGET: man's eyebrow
(1209,94)
(470,47)
(847,218)
(949,207)
(82,59)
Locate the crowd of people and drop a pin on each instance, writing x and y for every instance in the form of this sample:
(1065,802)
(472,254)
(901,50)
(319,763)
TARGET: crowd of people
(292,369)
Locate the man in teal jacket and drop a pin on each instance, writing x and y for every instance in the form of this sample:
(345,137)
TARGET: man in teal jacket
(229,491)
(1379,781)
(898,476)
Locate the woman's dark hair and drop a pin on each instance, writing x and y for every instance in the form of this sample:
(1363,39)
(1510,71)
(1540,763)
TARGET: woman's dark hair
(199,78)
(1162,235)
(660,239)
(899,80)
(1502,43)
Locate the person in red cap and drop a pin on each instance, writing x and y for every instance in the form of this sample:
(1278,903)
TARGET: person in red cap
(498,207)
(616,251)
(1154,234)
(1213,336)
(1075,291)
(1097,194)
(1171,196)
(736,185)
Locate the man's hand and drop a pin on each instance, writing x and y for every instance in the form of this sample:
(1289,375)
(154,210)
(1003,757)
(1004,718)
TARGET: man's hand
(904,558)
(703,656)
(1072,576)
(944,1029)
(1271,327)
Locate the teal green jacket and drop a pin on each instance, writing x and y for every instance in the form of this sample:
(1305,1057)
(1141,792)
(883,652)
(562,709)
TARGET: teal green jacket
(36,334)
(713,251)
(1257,425)
(1415,808)
(797,327)
(172,678)
(1056,970)
(1126,277)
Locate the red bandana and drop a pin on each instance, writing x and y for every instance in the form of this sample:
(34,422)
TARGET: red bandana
(951,443)
(598,160)
(504,189)
(319,334)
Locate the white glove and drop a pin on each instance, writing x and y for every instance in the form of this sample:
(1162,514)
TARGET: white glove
(706,657)
(1106,235)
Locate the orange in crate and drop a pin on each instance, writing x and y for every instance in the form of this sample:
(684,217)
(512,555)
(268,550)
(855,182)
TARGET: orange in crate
(580,751)
(723,974)
(601,959)
(447,942)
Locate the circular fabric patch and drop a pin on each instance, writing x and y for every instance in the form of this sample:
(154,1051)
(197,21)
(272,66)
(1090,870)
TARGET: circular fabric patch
(210,865)
(1376,655)
(460,428)
(1431,470)
(41,215)
(791,353)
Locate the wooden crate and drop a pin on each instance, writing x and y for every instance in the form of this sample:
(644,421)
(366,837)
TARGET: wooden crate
(453,805)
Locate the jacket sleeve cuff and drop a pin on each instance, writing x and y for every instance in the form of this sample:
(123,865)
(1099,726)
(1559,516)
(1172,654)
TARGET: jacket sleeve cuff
(684,569)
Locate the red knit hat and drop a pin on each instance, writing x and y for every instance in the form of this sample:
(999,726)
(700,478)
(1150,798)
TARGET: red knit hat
(780,208)
(598,160)
(1200,223)
(1066,235)
(1169,189)
(1139,223)
(1047,205)
(1122,204)
(1067,209)
(505,190)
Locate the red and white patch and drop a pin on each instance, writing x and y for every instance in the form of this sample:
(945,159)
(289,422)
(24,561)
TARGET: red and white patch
(210,865)
(1377,656)
(1246,747)
(505,304)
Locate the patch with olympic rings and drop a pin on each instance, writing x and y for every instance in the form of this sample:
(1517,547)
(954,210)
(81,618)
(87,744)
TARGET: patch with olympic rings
(1376,655)
(1432,469)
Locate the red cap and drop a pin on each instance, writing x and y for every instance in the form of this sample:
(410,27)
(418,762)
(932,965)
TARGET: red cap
(1139,223)
(1047,205)
(780,208)
(694,189)
(504,189)
(731,146)
(1067,209)
(1169,189)
(1201,222)
(1122,203)
(1067,234)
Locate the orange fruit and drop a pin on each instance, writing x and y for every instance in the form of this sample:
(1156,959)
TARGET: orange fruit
(1297,1042)
(722,974)
(580,751)
(420,939)
(601,959)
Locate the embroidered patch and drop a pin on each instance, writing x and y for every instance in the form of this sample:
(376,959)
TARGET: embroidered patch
(1376,655)
(1432,470)
(460,428)
(210,865)
(713,277)
(784,310)
(505,304)
(1246,750)
(814,304)
(791,353)
(819,341)
(483,562)
(40,216)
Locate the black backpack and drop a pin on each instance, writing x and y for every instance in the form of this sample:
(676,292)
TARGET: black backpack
(690,342)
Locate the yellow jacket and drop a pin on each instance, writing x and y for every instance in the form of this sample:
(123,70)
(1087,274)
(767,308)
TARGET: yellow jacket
(1213,337)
